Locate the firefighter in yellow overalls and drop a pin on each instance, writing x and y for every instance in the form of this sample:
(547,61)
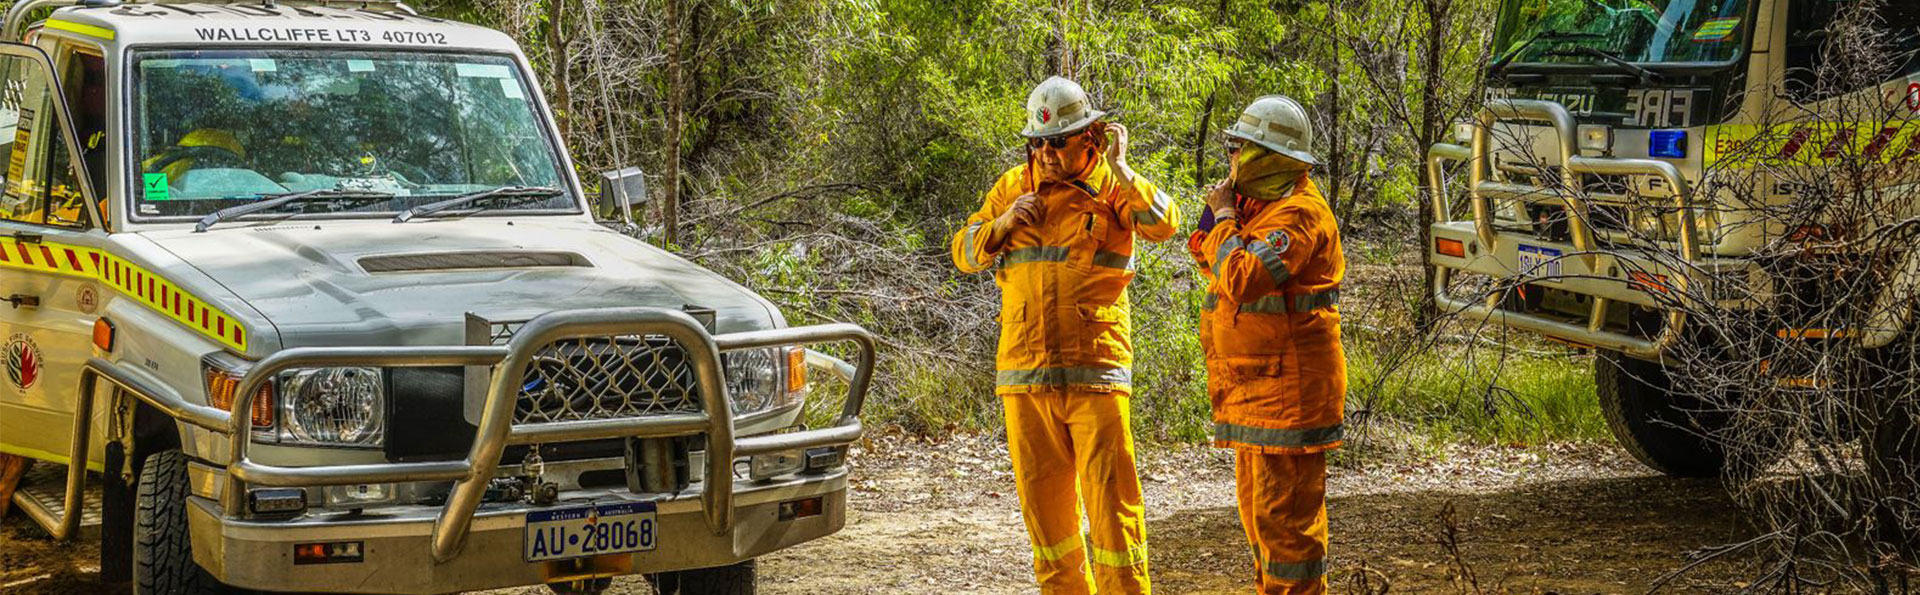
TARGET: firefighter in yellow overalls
(1058,233)
(1270,250)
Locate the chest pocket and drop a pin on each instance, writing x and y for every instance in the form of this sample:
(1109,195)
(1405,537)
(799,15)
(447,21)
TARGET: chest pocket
(1085,231)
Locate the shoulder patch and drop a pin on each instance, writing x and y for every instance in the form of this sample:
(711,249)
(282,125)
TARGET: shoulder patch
(1280,240)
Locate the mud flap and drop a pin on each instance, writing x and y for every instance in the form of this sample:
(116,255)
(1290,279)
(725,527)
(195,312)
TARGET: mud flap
(116,518)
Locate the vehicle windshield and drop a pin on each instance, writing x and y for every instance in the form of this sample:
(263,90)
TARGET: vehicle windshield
(1643,31)
(218,129)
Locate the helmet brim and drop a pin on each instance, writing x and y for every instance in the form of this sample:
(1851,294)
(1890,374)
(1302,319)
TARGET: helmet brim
(1078,125)
(1301,156)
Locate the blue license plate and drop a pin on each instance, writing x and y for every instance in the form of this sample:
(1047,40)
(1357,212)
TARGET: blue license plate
(590,531)
(1539,262)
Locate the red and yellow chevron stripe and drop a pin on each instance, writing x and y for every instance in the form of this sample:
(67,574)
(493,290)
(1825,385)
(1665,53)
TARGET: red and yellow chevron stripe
(131,280)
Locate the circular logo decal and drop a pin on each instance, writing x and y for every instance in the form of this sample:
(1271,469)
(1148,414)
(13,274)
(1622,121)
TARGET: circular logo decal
(87,299)
(1281,241)
(1045,115)
(23,361)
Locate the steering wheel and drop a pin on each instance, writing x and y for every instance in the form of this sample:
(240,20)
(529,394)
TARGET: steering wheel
(214,156)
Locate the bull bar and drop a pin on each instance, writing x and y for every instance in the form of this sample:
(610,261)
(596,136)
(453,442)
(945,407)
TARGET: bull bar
(1482,188)
(496,429)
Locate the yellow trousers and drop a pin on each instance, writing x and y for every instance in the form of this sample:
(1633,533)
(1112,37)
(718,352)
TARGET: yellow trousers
(1283,506)
(1072,449)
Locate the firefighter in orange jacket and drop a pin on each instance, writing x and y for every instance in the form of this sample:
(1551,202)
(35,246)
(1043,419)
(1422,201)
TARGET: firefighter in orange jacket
(1058,233)
(1270,328)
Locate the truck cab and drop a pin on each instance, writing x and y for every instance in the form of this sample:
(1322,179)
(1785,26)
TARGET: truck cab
(1628,166)
(310,294)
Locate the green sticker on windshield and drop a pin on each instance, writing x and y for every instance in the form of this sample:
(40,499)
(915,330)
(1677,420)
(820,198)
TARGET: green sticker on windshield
(155,187)
(1717,29)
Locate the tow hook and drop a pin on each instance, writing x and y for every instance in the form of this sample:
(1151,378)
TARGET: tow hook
(539,491)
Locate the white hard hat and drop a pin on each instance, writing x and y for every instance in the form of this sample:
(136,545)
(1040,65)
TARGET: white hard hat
(1058,106)
(1277,123)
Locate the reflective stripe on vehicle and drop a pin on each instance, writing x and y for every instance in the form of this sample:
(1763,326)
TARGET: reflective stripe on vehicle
(1156,210)
(1113,260)
(1276,268)
(1133,556)
(129,279)
(1297,571)
(1057,551)
(1064,376)
(1288,438)
(1033,254)
(1226,248)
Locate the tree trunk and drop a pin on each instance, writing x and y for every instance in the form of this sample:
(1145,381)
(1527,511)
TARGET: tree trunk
(1432,60)
(676,132)
(1200,129)
(1336,145)
(557,42)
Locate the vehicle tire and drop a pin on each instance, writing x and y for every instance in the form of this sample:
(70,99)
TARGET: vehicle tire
(1892,453)
(737,579)
(1663,429)
(162,550)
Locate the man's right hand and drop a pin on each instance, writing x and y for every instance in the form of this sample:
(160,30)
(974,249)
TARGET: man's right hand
(1025,210)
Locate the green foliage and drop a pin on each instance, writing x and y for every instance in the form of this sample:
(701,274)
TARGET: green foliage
(1482,395)
(832,148)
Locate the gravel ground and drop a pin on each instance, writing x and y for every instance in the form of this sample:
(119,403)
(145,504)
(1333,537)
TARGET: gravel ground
(943,518)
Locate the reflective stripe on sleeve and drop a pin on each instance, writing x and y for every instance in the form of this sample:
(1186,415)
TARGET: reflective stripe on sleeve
(1226,248)
(1297,571)
(1113,260)
(1286,438)
(1134,556)
(1034,254)
(967,249)
(1276,268)
(1064,376)
(1156,210)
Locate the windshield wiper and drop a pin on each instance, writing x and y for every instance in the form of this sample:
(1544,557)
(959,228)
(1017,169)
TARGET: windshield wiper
(1646,76)
(515,194)
(1501,65)
(274,201)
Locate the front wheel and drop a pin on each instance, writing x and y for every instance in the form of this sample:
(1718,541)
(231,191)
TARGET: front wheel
(1665,430)
(737,579)
(1892,453)
(162,550)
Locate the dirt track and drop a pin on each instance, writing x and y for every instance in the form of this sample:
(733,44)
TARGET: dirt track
(927,519)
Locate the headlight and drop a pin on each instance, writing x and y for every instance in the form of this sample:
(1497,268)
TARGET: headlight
(333,406)
(762,379)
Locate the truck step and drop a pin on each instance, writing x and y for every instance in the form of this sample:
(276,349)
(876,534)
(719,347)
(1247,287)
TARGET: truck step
(42,496)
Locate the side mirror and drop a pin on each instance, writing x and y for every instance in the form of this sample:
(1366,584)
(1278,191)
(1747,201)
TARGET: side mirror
(621,190)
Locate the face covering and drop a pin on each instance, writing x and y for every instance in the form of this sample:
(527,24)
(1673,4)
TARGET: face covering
(1261,174)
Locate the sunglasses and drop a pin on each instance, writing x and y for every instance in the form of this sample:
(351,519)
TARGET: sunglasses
(1056,142)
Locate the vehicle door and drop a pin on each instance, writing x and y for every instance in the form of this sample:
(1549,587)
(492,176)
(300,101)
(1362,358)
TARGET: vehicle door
(48,288)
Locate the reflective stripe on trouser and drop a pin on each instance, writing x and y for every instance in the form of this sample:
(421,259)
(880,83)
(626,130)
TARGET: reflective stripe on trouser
(1283,507)
(1074,448)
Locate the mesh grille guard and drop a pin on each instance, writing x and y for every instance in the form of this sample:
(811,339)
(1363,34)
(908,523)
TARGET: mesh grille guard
(586,378)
